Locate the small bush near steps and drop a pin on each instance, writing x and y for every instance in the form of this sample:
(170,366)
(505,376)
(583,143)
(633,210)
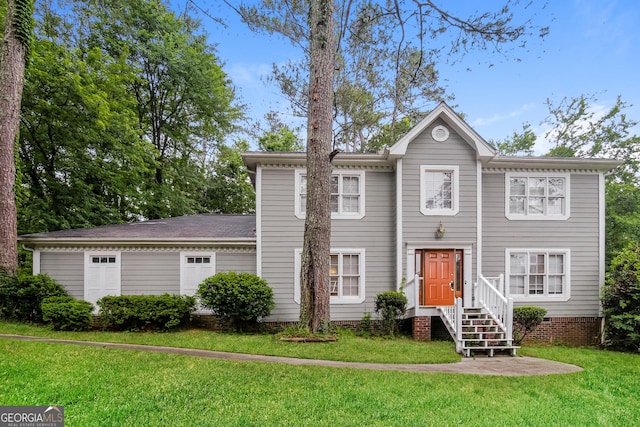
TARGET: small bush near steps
(242,299)
(67,313)
(526,319)
(391,306)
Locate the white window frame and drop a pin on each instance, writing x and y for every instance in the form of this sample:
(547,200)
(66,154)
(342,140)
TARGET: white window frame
(299,212)
(545,297)
(183,265)
(546,216)
(455,189)
(359,299)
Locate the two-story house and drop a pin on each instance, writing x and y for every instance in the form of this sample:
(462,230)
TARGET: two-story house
(439,215)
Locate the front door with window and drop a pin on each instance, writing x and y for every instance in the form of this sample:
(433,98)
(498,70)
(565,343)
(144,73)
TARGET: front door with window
(441,273)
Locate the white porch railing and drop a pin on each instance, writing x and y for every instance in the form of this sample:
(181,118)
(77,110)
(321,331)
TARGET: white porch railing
(496,303)
(453,316)
(411,290)
(498,283)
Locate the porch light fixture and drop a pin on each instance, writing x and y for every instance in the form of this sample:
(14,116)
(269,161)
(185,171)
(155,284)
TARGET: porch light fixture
(440,231)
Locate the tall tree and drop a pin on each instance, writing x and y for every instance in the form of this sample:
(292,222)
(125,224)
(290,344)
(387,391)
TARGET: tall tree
(314,280)
(81,156)
(405,34)
(185,103)
(16,36)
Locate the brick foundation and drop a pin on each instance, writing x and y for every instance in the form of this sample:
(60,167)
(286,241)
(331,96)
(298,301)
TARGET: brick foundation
(575,331)
(422,328)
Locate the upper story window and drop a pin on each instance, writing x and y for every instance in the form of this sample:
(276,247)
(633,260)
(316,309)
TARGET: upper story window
(538,275)
(346,276)
(439,189)
(347,194)
(537,196)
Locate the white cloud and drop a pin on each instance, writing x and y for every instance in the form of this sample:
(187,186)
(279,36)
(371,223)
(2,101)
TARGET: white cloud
(501,117)
(248,75)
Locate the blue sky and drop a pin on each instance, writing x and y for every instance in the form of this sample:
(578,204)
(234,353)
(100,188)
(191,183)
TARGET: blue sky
(593,48)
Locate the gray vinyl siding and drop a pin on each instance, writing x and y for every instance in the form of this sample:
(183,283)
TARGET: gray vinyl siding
(150,273)
(579,234)
(67,268)
(416,227)
(282,234)
(241,262)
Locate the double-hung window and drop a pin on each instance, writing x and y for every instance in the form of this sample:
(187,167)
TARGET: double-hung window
(439,188)
(537,196)
(346,276)
(539,275)
(347,194)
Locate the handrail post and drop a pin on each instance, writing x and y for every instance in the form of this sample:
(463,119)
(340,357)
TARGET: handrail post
(458,324)
(509,319)
(416,292)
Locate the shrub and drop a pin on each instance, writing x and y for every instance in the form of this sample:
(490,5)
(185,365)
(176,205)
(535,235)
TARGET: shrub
(67,313)
(241,299)
(20,297)
(526,320)
(391,305)
(138,312)
(621,301)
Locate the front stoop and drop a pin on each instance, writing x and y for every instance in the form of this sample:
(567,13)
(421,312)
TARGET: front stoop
(481,333)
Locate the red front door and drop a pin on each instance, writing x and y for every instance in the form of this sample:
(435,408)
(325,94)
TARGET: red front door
(439,278)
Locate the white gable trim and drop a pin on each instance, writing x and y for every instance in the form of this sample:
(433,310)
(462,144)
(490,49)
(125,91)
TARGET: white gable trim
(443,111)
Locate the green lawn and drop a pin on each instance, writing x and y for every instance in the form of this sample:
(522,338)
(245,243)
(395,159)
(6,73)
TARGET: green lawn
(103,387)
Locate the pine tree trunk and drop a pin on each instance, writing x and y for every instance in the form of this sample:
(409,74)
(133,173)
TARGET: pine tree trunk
(12,54)
(314,280)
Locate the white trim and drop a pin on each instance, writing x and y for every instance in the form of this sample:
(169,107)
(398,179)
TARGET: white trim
(479,208)
(601,236)
(455,189)
(36,262)
(565,296)
(467,262)
(259,221)
(334,215)
(399,223)
(183,278)
(444,112)
(334,300)
(116,285)
(546,217)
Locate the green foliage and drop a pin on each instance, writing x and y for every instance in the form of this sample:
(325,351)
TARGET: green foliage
(23,22)
(141,312)
(20,297)
(184,101)
(622,217)
(82,160)
(282,140)
(229,188)
(621,300)
(391,306)
(519,143)
(240,298)
(526,319)
(67,313)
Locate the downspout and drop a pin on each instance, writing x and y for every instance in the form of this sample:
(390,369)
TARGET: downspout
(35,259)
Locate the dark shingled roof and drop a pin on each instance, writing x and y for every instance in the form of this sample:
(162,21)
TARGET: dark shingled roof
(204,226)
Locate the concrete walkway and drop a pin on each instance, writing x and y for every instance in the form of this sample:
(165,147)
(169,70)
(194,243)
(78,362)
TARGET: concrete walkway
(500,365)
